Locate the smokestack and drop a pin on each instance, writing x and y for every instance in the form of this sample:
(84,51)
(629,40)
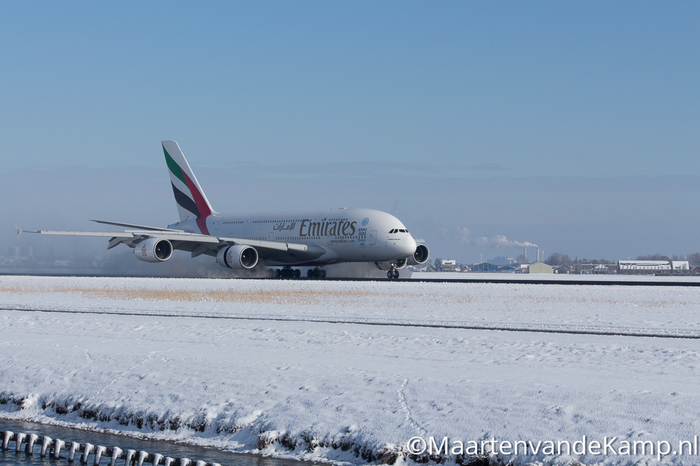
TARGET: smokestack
(525,254)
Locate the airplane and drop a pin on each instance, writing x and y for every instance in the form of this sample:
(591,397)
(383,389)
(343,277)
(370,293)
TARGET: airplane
(314,238)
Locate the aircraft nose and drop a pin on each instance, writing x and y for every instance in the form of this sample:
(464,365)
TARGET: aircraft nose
(409,247)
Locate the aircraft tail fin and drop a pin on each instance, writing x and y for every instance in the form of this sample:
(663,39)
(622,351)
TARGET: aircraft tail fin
(191,201)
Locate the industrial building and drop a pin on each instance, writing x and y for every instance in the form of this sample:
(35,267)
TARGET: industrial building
(485,267)
(645,267)
(539,267)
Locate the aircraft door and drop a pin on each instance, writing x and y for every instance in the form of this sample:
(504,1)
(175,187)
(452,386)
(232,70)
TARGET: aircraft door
(372,237)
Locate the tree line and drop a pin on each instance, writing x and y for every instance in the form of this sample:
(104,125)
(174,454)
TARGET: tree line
(562,259)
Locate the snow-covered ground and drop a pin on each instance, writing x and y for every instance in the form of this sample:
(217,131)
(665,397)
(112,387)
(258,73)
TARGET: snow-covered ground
(350,371)
(552,277)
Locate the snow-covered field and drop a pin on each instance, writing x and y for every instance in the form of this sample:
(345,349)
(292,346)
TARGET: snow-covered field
(350,371)
(551,277)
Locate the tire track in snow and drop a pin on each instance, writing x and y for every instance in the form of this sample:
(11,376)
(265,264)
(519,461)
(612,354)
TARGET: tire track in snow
(526,328)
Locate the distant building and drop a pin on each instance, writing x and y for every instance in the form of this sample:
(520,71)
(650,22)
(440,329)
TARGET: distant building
(600,269)
(484,267)
(680,266)
(489,267)
(501,260)
(17,256)
(644,267)
(561,269)
(507,268)
(448,265)
(539,267)
(605,269)
(580,267)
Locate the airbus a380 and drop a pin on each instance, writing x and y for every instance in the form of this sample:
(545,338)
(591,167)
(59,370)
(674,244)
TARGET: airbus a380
(286,239)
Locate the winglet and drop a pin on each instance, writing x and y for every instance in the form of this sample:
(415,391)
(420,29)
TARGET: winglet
(19,231)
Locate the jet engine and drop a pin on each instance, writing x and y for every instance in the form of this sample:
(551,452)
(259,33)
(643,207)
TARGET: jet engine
(420,256)
(238,256)
(154,250)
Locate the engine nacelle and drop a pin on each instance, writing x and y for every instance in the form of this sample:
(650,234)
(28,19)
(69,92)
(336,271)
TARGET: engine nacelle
(238,256)
(154,250)
(421,255)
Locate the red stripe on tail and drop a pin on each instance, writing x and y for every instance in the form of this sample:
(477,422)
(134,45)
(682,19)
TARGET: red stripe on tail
(202,206)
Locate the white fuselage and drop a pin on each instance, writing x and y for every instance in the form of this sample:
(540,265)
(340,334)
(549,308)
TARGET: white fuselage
(346,235)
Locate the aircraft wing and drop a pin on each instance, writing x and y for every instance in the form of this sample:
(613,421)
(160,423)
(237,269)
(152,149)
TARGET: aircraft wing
(196,243)
(132,225)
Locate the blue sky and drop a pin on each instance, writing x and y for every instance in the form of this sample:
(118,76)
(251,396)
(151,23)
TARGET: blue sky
(572,125)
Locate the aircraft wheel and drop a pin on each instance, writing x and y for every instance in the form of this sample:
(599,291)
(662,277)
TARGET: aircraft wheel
(323,274)
(389,275)
(310,273)
(297,273)
(396,274)
(277,273)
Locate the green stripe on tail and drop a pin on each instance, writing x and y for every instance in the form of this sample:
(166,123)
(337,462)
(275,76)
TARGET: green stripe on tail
(174,167)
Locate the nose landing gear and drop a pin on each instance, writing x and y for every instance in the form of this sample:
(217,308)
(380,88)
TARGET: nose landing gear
(392,274)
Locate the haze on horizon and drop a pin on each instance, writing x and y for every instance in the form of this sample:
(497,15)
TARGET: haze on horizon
(572,126)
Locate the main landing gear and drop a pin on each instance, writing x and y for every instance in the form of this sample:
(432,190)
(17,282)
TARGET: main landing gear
(285,272)
(316,273)
(289,272)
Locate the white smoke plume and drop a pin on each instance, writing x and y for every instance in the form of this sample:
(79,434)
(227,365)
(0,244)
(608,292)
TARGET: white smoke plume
(463,235)
(498,241)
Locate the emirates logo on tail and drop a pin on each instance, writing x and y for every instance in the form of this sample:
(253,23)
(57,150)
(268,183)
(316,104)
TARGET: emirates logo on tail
(189,197)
